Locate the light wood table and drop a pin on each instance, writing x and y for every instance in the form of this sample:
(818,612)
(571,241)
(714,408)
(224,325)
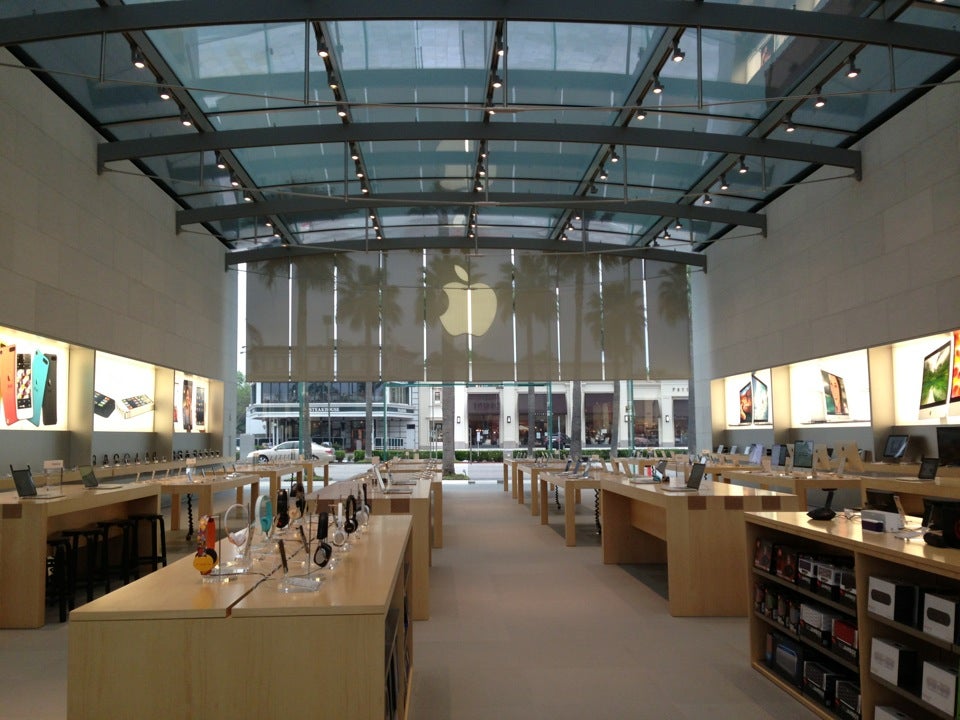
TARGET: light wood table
(533,469)
(634,466)
(25,526)
(699,535)
(204,488)
(794,483)
(571,491)
(275,472)
(911,490)
(420,503)
(172,646)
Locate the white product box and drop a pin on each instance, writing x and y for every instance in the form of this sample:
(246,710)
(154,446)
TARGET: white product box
(940,616)
(894,662)
(939,686)
(885,712)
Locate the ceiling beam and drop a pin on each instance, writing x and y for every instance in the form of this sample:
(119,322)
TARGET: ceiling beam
(681,13)
(276,251)
(525,132)
(285,206)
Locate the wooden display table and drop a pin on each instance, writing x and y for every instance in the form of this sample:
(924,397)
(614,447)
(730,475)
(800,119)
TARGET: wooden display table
(911,491)
(275,472)
(571,491)
(204,488)
(634,465)
(172,646)
(25,526)
(841,542)
(423,503)
(698,535)
(533,469)
(795,483)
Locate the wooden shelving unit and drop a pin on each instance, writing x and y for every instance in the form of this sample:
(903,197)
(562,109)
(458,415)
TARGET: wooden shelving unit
(870,554)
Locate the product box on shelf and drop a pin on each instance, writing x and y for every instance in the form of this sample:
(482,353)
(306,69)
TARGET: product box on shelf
(787,659)
(816,623)
(806,568)
(785,561)
(848,587)
(893,600)
(885,712)
(940,616)
(828,579)
(939,686)
(820,682)
(763,555)
(847,702)
(845,639)
(895,662)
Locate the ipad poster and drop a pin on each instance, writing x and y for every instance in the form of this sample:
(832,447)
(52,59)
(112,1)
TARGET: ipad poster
(123,394)
(738,392)
(33,374)
(760,385)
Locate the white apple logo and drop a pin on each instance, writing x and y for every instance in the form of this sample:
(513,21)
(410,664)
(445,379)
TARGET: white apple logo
(470,308)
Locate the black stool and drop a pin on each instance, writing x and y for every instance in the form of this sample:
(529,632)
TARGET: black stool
(94,569)
(155,558)
(123,568)
(59,578)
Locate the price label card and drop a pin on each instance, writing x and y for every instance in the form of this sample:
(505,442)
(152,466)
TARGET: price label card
(49,465)
(191,462)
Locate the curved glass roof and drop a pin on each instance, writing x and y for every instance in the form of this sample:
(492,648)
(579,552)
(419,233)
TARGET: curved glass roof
(618,128)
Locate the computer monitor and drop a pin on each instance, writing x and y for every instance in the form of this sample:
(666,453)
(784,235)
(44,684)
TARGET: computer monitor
(778,455)
(803,454)
(935,381)
(928,468)
(881,500)
(23,481)
(756,454)
(895,447)
(660,471)
(948,444)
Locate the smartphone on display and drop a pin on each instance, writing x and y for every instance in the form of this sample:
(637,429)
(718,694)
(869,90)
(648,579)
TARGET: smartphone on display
(103,405)
(201,408)
(8,378)
(188,405)
(24,386)
(49,409)
(41,366)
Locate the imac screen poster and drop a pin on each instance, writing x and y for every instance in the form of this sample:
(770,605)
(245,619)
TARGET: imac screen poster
(761,401)
(746,404)
(834,395)
(935,381)
(955,376)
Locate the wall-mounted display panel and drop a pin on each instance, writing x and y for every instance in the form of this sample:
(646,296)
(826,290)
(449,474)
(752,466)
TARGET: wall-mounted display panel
(33,381)
(926,379)
(123,394)
(190,396)
(748,399)
(833,389)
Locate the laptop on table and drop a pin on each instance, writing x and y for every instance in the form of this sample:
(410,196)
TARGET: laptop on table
(27,488)
(90,481)
(693,480)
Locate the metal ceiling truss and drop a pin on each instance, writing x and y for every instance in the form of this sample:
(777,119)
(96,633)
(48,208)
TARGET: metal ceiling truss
(273,252)
(523,132)
(680,13)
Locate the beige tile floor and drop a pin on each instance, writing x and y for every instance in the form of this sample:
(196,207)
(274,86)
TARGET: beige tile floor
(521,627)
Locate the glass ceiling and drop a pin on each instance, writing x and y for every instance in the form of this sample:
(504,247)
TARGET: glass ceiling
(566,132)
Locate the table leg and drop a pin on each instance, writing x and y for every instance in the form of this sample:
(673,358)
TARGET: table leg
(175,511)
(534,495)
(519,487)
(543,501)
(506,480)
(437,513)
(570,519)
(514,474)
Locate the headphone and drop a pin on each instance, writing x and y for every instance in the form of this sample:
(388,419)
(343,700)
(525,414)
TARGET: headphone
(301,498)
(350,523)
(263,512)
(116,458)
(323,552)
(363,513)
(283,509)
(206,557)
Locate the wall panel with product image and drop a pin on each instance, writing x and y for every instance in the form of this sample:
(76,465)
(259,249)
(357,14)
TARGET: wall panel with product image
(833,389)
(33,372)
(747,399)
(123,396)
(190,403)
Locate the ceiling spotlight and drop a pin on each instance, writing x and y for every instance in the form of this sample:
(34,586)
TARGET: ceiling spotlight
(497,82)
(185,119)
(234,180)
(164,93)
(359,172)
(603,173)
(491,111)
(577,216)
(364,190)
(666,234)
(221,163)
(641,114)
(677,55)
(379,236)
(657,85)
(788,122)
(707,200)
(354,154)
(820,101)
(342,111)
(481,170)
(678,225)
(593,188)
(247,197)
(614,158)
(331,81)
(563,238)
(483,151)
(569,225)
(743,166)
(478,186)
(322,49)
(276,234)
(654,243)
(724,185)
(268,223)
(136,57)
(373,216)
(499,47)
(852,69)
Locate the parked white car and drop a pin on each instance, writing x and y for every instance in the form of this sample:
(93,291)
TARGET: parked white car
(290,450)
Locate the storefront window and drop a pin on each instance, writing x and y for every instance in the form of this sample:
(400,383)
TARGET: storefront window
(597,418)
(483,418)
(681,420)
(646,423)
